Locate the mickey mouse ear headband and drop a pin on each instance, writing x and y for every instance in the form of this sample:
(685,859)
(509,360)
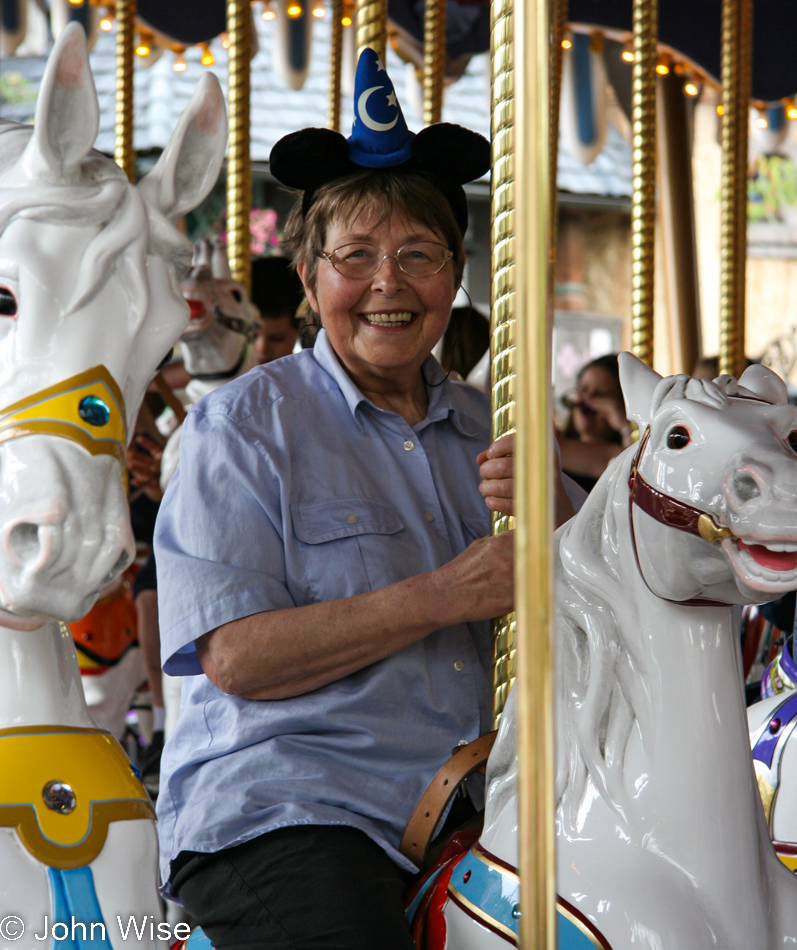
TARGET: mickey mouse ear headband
(449,155)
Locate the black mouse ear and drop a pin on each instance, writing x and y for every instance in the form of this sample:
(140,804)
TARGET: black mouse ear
(451,152)
(309,158)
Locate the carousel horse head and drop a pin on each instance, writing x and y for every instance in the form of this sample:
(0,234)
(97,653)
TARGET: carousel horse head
(717,461)
(223,319)
(90,304)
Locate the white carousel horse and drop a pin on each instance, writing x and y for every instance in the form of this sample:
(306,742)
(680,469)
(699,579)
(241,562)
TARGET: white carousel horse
(216,344)
(89,305)
(661,840)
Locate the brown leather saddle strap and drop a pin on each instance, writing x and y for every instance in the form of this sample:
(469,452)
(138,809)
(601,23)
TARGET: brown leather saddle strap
(465,761)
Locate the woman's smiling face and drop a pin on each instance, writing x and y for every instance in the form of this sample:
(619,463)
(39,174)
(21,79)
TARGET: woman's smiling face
(382,327)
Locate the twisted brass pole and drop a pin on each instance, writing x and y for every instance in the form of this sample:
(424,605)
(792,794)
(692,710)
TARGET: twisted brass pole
(434,60)
(124,154)
(372,26)
(643,202)
(335,62)
(558,25)
(533,483)
(502,305)
(736,53)
(239,173)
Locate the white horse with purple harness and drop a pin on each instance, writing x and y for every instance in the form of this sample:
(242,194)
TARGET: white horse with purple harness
(661,839)
(89,305)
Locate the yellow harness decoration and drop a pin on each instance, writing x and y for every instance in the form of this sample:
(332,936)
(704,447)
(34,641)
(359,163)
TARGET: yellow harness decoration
(87,408)
(91,762)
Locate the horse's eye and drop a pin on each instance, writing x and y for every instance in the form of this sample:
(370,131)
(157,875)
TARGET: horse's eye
(791,438)
(237,295)
(8,303)
(678,437)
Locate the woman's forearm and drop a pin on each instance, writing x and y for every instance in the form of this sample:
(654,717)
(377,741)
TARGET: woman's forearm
(282,653)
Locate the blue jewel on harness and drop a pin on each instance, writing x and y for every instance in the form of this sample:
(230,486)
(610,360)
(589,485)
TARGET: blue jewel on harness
(93,410)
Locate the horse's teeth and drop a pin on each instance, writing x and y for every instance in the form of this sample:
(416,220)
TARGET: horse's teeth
(781,547)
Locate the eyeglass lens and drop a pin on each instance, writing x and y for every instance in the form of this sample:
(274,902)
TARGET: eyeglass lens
(417,259)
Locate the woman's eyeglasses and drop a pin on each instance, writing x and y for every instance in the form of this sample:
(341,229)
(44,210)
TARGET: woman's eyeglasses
(361,261)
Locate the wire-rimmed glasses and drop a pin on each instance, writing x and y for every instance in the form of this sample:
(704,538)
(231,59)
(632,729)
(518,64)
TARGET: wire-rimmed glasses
(362,261)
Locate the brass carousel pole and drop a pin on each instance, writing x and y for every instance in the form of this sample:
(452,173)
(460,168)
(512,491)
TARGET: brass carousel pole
(372,26)
(736,69)
(124,154)
(239,173)
(558,25)
(643,202)
(533,485)
(434,60)
(502,292)
(335,61)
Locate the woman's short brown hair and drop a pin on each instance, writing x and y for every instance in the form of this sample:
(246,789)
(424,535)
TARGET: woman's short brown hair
(382,192)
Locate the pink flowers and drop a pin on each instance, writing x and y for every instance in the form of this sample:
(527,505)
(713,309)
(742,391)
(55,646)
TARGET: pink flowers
(266,238)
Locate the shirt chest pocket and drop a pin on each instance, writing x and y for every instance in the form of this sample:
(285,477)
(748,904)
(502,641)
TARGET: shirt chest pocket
(347,545)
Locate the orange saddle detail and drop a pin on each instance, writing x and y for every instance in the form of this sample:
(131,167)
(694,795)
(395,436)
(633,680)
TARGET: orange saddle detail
(107,631)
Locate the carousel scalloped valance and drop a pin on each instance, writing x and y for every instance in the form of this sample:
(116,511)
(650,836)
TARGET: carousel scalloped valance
(690,26)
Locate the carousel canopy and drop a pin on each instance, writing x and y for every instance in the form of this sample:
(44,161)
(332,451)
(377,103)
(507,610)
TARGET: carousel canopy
(692,27)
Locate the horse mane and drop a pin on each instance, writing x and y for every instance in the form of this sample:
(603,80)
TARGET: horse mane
(102,196)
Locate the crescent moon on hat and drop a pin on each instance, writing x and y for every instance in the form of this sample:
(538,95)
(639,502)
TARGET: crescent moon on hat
(367,121)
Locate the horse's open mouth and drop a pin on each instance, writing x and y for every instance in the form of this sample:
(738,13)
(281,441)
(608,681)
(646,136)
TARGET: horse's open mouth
(769,566)
(778,557)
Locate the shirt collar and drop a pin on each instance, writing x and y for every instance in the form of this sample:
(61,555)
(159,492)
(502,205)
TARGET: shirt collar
(441,403)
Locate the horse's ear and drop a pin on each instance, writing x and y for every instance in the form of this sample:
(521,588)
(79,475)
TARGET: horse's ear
(67,113)
(190,163)
(638,382)
(765,383)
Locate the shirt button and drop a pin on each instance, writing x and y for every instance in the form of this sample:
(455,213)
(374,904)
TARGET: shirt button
(459,666)
(428,515)
(352,519)
(409,445)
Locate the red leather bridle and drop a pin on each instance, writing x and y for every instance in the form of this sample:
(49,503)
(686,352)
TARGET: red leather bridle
(671,512)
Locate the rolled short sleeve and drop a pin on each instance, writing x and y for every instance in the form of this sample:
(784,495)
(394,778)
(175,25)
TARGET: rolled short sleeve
(218,538)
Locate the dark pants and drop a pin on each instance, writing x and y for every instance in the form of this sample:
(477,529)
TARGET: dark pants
(309,887)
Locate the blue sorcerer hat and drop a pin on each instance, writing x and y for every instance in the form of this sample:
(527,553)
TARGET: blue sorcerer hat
(448,155)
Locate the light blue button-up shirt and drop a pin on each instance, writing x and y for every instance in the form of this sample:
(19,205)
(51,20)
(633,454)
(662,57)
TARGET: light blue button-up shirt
(292,489)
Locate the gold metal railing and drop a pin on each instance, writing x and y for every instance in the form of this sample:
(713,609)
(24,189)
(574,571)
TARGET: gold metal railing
(239,171)
(124,154)
(434,60)
(643,202)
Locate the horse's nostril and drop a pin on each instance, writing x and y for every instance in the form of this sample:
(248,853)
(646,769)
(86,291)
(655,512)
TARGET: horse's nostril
(745,487)
(121,563)
(24,543)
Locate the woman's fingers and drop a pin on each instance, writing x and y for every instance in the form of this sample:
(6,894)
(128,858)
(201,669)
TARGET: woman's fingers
(497,467)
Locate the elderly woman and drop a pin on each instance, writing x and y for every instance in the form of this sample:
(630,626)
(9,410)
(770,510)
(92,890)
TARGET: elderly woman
(325,575)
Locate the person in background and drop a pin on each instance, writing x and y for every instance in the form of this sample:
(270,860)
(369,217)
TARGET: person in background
(277,293)
(597,430)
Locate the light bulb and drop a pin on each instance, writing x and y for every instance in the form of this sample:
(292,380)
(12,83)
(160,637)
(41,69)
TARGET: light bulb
(691,89)
(720,109)
(662,69)
(761,122)
(143,48)
(628,55)
(268,11)
(106,24)
(225,40)
(208,59)
(791,112)
(179,65)
(294,10)
(345,21)
(566,44)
